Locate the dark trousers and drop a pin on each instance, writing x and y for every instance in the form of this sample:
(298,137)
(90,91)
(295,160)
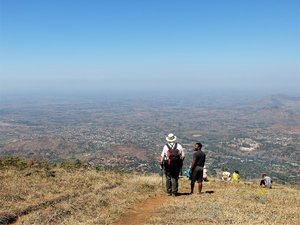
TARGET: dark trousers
(172,176)
(263,183)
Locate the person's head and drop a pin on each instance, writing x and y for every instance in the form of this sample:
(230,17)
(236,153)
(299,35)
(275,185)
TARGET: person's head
(237,171)
(198,146)
(264,175)
(171,138)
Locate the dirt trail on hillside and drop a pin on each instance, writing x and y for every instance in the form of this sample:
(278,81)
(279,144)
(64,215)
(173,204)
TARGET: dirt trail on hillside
(141,212)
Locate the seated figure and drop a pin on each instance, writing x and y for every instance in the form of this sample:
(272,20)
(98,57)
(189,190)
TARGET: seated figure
(226,176)
(266,181)
(236,176)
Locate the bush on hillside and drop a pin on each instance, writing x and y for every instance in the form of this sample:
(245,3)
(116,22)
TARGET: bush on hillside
(71,164)
(13,161)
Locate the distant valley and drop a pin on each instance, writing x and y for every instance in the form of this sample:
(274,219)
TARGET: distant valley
(252,135)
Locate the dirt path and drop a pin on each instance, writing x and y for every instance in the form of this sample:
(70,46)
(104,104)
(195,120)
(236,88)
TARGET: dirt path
(139,214)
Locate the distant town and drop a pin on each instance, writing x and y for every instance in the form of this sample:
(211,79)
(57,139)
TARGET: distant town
(253,136)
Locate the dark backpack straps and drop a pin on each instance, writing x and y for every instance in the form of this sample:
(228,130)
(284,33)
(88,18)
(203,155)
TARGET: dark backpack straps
(169,147)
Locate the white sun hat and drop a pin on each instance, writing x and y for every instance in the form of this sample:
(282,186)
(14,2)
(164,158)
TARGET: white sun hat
(171,137)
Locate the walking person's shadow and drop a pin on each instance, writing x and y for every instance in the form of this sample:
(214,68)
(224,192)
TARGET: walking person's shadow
(188,193)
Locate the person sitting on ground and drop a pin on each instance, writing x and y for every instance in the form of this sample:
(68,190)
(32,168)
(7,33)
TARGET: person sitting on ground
(226,176)
(236,176)
(205,174)
(197,167)
(266,181)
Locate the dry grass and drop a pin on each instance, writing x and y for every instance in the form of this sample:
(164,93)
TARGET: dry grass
(231,203)
(90,197)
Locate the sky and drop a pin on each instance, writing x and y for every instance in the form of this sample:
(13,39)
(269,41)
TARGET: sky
(143,45)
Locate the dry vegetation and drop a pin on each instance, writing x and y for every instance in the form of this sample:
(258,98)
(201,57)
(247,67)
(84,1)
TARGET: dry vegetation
(231,203)
(36,195)
(78,196)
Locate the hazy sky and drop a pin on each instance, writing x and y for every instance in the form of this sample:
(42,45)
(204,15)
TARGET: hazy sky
(149,45)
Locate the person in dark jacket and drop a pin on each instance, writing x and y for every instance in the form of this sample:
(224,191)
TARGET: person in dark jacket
(197,167)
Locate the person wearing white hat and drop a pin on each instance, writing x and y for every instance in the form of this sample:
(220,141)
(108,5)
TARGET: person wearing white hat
(172,157)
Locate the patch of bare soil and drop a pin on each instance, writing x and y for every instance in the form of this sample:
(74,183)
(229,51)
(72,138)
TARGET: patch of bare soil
(141,212)
(287,129)
(128,150)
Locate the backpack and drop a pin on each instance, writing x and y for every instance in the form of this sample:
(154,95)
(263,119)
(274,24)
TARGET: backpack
(173,156)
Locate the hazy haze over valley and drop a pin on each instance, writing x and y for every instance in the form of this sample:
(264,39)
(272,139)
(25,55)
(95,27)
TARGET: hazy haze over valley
(249,133)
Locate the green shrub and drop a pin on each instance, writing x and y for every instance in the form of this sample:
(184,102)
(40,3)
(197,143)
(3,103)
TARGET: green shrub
(71,164)
(13,161)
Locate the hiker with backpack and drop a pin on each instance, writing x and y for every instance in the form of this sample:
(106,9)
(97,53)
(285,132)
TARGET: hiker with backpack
(172,157)
(197,167)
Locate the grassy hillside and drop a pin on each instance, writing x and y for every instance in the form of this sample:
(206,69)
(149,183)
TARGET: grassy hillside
(232,203)
(43,194)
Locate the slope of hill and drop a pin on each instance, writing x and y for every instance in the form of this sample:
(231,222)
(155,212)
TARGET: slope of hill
(53,195)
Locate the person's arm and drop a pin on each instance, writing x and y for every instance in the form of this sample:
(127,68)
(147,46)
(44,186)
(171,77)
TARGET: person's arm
(161,163)
(182,152)
(193,163)
(162,157)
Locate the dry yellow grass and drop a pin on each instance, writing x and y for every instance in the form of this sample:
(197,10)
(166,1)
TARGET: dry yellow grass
(231,203)
(84,197)
(90,197)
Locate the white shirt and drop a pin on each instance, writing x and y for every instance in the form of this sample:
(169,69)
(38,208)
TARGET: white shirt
(268,182)
(204,173)
(226,176)
(165,150)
